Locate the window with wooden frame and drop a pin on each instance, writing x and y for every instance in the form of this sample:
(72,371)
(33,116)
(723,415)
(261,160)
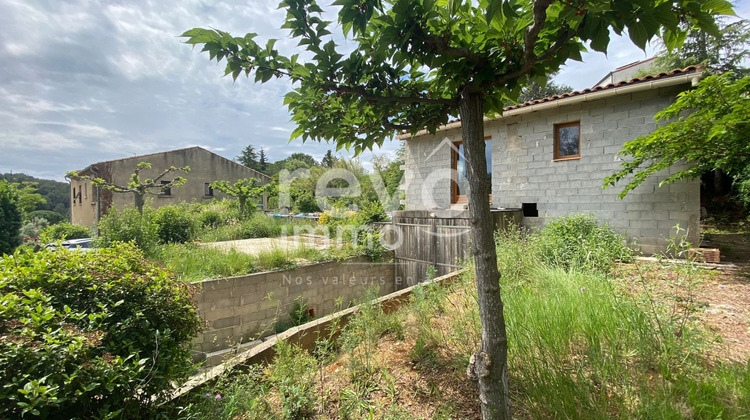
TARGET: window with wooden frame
(460,185)
(568,141)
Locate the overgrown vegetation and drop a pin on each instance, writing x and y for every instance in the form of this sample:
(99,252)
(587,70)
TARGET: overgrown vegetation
(579,243)
(55,194)
(195,263)
(172,235)
(99,334)
(707,131)
(585,342)
(10,218)
(243,190)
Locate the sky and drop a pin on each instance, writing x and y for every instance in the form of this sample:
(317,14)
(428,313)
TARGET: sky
(83,81)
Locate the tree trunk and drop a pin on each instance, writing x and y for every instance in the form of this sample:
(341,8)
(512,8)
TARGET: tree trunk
(139,202)
(242,201)
(490,364)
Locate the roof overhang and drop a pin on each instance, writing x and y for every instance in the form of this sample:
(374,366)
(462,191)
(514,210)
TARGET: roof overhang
(691,75)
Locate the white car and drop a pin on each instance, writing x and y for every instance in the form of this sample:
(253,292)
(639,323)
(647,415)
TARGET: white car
(83,244)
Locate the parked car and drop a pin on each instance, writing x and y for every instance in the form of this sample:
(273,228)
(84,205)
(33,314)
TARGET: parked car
(83,244)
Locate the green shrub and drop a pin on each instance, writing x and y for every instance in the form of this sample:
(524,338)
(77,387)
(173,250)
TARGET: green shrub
(52,217)
(33,228)
(66,230)
(128,225)
(579,242)
(371,212)
(300,313)
(90,334)
(10,218)
(261,226)
(293,375)
(174,224)
(306,203)
(210,219)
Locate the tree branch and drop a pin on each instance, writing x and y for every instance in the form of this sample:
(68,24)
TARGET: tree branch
(361,92)
(532,34)
(395,127)
(530,62)
(442,47)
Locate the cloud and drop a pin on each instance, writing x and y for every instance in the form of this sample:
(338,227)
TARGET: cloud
(83,81)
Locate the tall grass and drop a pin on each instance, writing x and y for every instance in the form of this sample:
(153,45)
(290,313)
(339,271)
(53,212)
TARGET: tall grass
(258,225)
(195,263)
(582,344)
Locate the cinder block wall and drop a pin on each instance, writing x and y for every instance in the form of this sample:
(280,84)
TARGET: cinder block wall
(428,174)
(524,170)
(236,309)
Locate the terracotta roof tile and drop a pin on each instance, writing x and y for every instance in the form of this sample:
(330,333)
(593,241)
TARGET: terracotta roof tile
(675,72)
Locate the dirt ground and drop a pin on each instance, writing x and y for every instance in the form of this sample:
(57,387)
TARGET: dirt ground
(727,313)
(721,294)
(728,293)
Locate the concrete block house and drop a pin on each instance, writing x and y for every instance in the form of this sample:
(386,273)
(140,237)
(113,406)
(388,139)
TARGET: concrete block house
(549,157)
(89,203)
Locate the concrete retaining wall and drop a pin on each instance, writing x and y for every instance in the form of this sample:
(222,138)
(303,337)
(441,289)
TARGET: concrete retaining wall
(241,309)
(304,336)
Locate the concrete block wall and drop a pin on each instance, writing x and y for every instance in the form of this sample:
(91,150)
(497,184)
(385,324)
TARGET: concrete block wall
(524,170)
(236,309)
(428,174)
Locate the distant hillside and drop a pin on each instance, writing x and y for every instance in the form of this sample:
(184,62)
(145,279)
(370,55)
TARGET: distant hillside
(56,193)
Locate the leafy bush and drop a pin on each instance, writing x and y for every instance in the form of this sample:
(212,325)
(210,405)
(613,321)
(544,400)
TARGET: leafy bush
(10,218)
(371,212)
(33,228)
(300,313)
(305,203)
(210,219)
(90,334)
(66,230)
(293,375)
(579,242)
(741,186)
(52,217)
(128,225)
(261,226)
(174,224)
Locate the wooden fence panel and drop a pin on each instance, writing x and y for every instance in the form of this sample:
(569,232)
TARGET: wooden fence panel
(439,239)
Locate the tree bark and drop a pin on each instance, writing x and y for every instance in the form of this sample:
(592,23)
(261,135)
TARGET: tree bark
(139,200)
(242,201)
(490,364)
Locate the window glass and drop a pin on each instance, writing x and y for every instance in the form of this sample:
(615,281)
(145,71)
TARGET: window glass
(462,184)
(567,140)
(166,191)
